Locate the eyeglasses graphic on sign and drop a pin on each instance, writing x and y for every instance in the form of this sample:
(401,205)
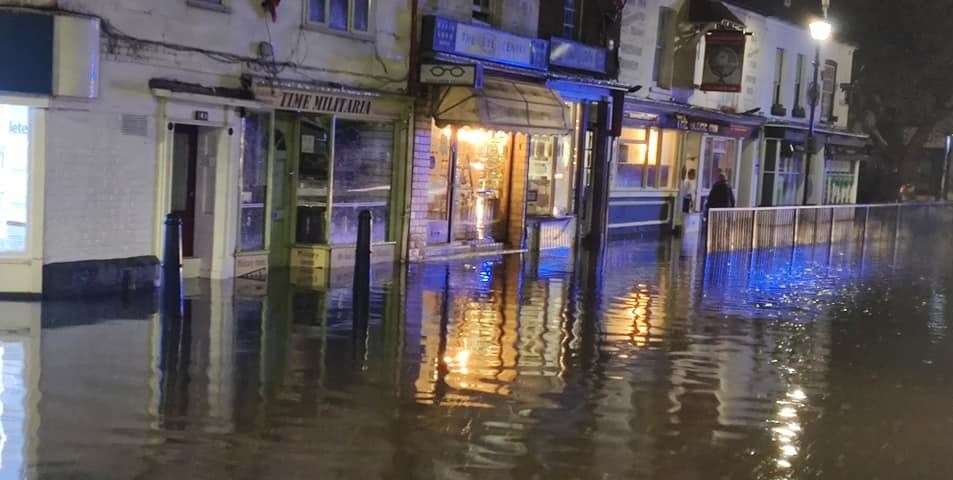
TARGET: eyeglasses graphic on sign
(449,74)
(454,71)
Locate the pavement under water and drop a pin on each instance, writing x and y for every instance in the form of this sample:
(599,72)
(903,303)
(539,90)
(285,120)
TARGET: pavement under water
(821,362)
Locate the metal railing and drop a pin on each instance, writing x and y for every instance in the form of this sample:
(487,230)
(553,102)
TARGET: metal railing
(733,229)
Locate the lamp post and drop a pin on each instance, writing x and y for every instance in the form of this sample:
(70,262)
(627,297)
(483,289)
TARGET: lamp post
(820,32)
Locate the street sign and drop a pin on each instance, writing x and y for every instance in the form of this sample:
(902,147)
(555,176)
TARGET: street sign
(451,74)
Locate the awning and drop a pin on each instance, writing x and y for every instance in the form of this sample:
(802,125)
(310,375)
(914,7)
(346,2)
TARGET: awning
(713,11)
(504,105)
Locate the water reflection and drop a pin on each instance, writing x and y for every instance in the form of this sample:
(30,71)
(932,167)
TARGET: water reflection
(645,362)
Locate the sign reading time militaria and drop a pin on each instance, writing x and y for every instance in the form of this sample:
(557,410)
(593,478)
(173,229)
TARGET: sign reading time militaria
(316,102)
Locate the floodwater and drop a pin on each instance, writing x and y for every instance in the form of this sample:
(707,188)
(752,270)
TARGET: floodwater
(815,363)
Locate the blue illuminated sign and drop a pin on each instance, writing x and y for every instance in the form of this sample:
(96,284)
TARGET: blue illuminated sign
(449,36)
(569,54)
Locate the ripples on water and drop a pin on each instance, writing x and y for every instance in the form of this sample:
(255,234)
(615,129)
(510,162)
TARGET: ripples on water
(824,363)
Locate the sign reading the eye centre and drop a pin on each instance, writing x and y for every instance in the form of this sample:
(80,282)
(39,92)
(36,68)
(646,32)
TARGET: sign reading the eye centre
(14,177)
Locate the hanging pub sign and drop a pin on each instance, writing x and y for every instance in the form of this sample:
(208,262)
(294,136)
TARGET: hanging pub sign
(724,61)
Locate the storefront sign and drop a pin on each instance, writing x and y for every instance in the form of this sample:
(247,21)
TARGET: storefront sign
(451,74)
(449,36)
(569,54)
(316,102)
(681,121)
(724,61)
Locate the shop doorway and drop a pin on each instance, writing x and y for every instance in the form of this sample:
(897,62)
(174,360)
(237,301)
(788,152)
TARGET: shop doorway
(719,157)
(193,195)
(481,181)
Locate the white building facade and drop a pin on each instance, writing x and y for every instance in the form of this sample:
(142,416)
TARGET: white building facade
(138,109)
(756,136)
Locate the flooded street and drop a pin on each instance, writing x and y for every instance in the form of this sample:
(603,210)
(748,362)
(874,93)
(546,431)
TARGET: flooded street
(821,363)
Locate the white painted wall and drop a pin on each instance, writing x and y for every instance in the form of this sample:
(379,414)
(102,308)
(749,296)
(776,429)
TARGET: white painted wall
(101,184)
(515,16)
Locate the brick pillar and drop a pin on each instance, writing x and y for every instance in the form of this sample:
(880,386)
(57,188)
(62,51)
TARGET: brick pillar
(516,224)
(420,177)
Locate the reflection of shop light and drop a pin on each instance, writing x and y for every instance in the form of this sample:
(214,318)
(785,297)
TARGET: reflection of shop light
(479,166)
(446,131)
(558,176)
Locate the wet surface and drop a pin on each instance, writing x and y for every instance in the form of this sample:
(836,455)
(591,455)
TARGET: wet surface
(821,363)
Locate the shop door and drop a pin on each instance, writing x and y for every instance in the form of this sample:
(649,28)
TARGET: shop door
(481,174)
(720,157)
(282,178)
(184,163)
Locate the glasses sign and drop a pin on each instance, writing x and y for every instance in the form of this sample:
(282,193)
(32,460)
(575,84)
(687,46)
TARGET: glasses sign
(451,74)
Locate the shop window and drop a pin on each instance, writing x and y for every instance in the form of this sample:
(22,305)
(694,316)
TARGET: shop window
(720,158)
(781,180)
(14,178)
(254,182)
(341,15)
(481,178)
(646,159)
(314,160)
(363,173)
(438,184)
(838,181)
(549,191)
(828,91)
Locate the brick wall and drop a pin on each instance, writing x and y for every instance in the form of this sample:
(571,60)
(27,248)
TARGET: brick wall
(420,178)
(516,224)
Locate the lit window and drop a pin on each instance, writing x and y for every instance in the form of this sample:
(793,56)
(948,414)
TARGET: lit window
(641,162)
(342,15)
(14,177)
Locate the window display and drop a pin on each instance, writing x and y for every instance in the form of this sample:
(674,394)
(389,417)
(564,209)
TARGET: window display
(314,146)
(438,184)
(480,181)
(646,159)
(14,177)
(550,176)
(254,182)
(363,172)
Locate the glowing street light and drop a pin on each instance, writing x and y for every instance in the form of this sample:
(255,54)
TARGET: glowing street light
(820,30)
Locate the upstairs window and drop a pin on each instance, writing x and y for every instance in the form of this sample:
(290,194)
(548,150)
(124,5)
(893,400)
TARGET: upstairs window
(665,21)
(778,75)
(352,16)
(483,11)
(569,19)
(828,91)
(798,80)
(217,5)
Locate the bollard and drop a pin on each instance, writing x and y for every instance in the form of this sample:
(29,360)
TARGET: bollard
(362,273)
(172,266)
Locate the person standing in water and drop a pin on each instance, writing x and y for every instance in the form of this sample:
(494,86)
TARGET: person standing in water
(721,195)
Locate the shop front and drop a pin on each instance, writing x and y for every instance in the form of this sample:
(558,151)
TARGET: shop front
(501,157)
(661,146)
(336,152)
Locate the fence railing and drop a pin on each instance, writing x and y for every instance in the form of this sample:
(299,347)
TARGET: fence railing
(732,229)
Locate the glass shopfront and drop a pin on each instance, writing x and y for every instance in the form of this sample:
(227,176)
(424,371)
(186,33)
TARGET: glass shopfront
(838,181)
(344,166)
(646,159)
(721,158)
(551,176)
(782,171)
(254,182)
(14,178)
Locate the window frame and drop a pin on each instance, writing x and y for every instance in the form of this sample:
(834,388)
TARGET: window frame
(662,40)
(573,7)
(325,26)
(491,8)
(223,6)
(778,76)
(644,186)
(827,111)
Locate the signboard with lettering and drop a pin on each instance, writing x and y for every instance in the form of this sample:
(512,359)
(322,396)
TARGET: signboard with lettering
(449,36)
(724,61)
(575,55)
(326,102)
(681,121)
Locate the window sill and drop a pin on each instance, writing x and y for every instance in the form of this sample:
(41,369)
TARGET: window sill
(211,6)
(319,28)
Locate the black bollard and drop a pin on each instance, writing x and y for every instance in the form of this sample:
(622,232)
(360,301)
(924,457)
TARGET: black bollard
(362,273)
(172,266)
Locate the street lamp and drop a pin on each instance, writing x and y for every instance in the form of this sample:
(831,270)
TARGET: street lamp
(820,31)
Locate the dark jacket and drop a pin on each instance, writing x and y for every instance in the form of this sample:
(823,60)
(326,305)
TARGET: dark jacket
(720,196)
